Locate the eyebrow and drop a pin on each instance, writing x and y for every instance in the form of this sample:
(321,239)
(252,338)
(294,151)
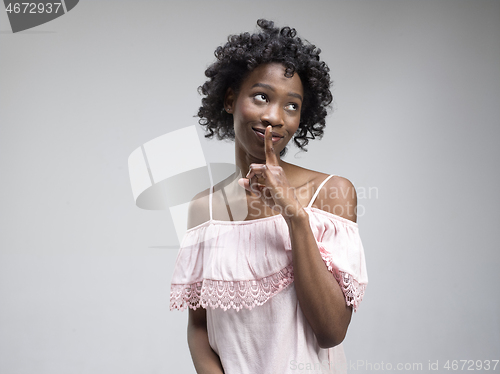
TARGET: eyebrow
(263,85)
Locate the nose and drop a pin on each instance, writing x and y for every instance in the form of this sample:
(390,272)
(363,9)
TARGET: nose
(272,115)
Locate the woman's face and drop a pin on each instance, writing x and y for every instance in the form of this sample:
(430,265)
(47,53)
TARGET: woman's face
(266,97)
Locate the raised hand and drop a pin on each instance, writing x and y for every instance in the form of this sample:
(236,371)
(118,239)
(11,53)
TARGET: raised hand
(268,181)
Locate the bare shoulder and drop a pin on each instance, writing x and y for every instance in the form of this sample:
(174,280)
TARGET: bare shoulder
(338,196)
(199,209)
(300,176)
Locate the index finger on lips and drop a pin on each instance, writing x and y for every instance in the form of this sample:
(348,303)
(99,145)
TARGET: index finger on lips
(271,158)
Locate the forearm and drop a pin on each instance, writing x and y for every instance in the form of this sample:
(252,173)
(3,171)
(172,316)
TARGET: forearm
(205,360)
(318,293)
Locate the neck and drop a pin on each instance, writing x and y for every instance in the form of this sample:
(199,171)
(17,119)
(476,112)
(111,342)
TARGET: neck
(243,160)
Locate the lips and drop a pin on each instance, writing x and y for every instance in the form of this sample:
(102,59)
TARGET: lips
(261,134)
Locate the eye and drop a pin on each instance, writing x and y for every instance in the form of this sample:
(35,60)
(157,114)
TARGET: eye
(261,98)
(292,106)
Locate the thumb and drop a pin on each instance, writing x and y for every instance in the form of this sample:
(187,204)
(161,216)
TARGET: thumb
(245,183)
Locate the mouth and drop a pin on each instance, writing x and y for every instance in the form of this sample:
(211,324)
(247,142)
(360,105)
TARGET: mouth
(261,135)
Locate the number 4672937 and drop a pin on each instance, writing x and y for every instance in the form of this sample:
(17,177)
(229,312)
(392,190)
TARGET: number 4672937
(471,364)
(32,7)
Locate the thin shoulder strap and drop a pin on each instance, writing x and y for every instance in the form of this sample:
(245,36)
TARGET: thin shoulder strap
(319,189)
(210,201)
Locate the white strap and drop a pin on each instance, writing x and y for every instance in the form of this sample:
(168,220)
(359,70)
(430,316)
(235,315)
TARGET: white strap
(210,201)
(317,191)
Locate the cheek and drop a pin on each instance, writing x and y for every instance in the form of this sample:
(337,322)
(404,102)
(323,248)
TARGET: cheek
(242,115)
(294,126)
(246,111)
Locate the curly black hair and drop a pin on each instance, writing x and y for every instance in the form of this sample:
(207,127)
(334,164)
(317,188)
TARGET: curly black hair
(242,54)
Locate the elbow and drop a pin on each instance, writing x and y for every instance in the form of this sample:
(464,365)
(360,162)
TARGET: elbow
(326,343)
(331,339)
(336,331)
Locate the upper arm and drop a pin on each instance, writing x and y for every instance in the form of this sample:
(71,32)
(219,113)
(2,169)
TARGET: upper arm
(338,197)
(197,318)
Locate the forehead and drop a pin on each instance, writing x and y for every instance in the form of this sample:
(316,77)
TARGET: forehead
(273,74)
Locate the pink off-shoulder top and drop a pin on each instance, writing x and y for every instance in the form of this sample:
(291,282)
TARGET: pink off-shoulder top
(241,272)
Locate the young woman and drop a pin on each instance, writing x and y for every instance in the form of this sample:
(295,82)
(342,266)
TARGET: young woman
(271,290)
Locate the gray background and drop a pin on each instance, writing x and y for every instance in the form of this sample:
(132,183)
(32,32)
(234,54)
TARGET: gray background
(85,274)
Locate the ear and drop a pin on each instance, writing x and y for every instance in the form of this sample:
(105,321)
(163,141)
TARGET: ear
(229,101)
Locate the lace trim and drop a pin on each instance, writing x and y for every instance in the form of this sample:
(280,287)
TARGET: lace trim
(250,293)
(352,289)
(229,294)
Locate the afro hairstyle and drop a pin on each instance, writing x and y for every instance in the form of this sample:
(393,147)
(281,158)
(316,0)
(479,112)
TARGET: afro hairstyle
(242,54)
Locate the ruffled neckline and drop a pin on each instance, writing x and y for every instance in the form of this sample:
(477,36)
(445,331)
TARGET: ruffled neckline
(270,218)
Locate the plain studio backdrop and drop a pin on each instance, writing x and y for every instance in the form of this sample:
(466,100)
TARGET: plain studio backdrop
(85,274)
